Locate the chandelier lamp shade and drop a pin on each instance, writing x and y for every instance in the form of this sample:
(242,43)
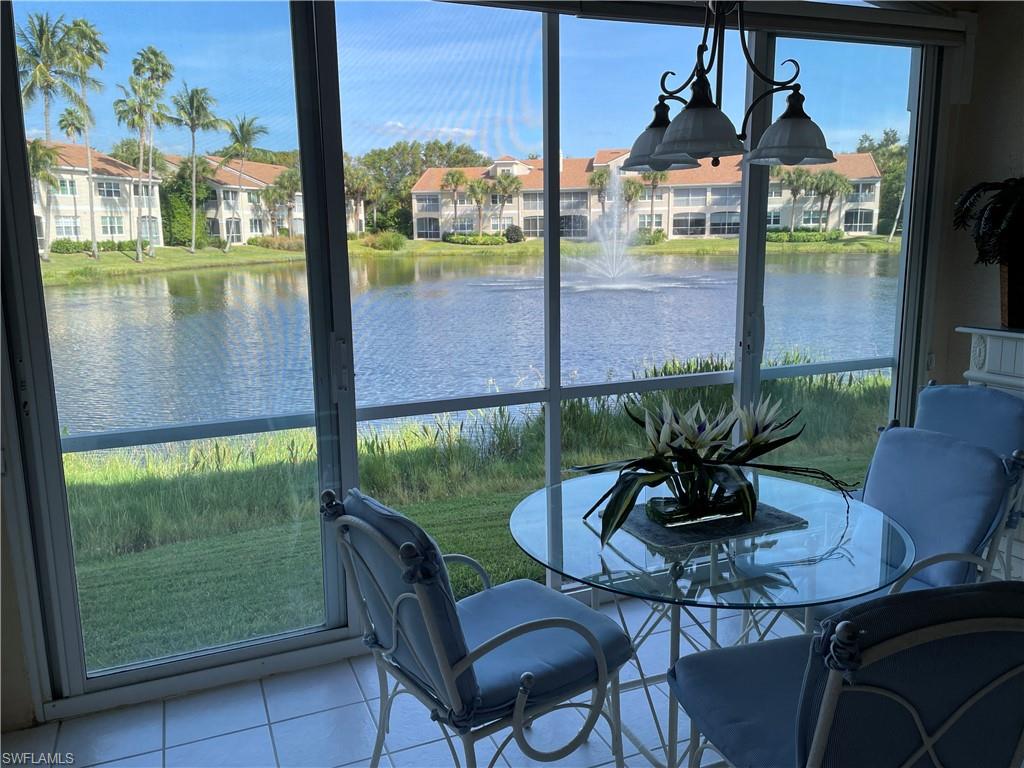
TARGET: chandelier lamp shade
(702,129)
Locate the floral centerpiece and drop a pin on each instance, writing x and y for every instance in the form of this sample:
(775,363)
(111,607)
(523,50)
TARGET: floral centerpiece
(694,457)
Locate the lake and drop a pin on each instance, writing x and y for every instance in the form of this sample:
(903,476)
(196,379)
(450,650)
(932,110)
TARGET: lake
(180,347)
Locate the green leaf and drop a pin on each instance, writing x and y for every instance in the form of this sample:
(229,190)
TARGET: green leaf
(623,497)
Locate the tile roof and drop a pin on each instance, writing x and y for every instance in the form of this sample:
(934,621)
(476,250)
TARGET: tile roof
(576,170)
(604,156)
(74,156)
(254,175)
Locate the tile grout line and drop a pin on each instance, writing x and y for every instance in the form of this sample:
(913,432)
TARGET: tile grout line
(270,725)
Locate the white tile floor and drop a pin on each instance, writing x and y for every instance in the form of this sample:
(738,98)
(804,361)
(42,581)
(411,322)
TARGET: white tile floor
(325,717)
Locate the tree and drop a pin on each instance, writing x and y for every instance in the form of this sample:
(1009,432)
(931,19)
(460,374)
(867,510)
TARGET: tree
(45,63)
(598,182)
(132,111)
(507,186)
(357,187)
(152,65)
(890,154)
(452,182)
(243,132)
(632,189)
(88,50)
(829,185)
(479,191)
(273,198)
(288,184)
(193,109)
(71,124)
(42,159)
(795,179)
(654,179)
(176,204)
(127,151)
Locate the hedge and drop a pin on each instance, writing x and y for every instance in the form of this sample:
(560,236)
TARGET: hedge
(278,243)
(804,236)
(385,241)
(473,239)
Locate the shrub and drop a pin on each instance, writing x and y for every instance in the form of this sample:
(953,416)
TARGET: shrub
(67,245)
(648,237)
(386,241)
(514,234)
(278,243)
(128,246)
(473,239)
(804,236)
(177,219)
(217,242)
(283,232)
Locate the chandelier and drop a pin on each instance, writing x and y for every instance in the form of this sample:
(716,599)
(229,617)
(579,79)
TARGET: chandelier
(702,129)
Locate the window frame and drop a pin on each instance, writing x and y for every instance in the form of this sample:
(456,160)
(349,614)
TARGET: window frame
(67,187)
(111,224)
(109,189)
(60,223)
(433,232)
(689,226)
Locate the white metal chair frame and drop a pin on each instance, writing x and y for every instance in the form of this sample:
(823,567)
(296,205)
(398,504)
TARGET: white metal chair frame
(604,690)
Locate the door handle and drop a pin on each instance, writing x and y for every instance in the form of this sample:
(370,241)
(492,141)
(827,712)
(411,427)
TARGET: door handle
(330,507)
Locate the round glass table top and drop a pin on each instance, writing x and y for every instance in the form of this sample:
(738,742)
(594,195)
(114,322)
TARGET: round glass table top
(803,549)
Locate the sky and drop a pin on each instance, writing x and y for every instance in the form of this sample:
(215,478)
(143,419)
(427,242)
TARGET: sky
(424,70)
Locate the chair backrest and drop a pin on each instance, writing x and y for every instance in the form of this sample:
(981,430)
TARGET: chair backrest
(948,494)
(926,678)
(979,415)
(409,610)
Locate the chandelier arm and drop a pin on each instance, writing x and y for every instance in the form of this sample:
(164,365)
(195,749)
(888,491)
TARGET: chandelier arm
(750,60)
(671,92)
(719,63)
(770,92)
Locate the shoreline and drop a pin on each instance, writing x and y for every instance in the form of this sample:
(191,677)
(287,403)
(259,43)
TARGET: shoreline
(78,269)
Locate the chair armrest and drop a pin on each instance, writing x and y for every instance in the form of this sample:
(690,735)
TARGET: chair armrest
(945,557)
(474,564)
(519,717)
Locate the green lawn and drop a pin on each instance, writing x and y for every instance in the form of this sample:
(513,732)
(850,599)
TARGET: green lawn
(188,546)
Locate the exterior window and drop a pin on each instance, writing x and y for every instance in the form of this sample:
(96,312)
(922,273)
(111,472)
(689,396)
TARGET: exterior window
(230,195)
(859,220)
(501,224)
(298,209)
(506,171)
(256,226)
(573,201)
(533,226)
(428,229)
(141,190)
(149,229)
(213,196)
(465,224)
(40,240)
(725,223)
(572,226)
(464,198)
(646,194)
(67,226)
(812,217)
(427,203)
(253,197)
(112,225)
(496,199)
(774,190)
(690,196)
(646,221)
(233,228)
(67,187)
(862,193)
(774,218)
(533,201)
(213,227)
(688,224)
(108,189)
(725,196)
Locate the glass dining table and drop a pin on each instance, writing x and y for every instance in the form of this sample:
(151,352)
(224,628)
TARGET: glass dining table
(807,547)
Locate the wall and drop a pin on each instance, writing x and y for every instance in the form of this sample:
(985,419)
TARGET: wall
(986,143)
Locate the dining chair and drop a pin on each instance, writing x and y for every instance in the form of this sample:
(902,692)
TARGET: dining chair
(500,658)
(951,497)
(931,678)
(983,416)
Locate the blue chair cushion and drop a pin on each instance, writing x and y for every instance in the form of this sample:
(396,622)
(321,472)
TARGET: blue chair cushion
(560,660)
(978,415)
(737,696)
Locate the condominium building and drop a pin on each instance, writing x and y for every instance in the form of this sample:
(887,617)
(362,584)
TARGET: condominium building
(697,202)
(122,206)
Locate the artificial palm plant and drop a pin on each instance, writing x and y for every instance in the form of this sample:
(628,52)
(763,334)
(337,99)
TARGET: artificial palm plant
(994,212)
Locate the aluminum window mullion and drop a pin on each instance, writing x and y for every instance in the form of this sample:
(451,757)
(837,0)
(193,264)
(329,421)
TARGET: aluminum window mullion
(552,295)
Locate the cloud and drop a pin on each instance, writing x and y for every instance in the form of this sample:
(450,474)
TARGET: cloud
(398,128)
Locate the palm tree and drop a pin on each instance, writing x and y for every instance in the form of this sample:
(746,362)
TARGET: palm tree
(193,109)
(243,132)
(45,63)
(71,124)
(830,185)
(506,186)
(290,184)
(132,110)
(42,159)
(273,197)
(152,65)
(357,186)
(88,50)
(598,181)
(479,190)
(632,189)
(797,180)
(654,179)
(453,181)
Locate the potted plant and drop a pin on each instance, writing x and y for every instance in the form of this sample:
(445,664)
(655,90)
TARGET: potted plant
(994,211)
(692,456)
